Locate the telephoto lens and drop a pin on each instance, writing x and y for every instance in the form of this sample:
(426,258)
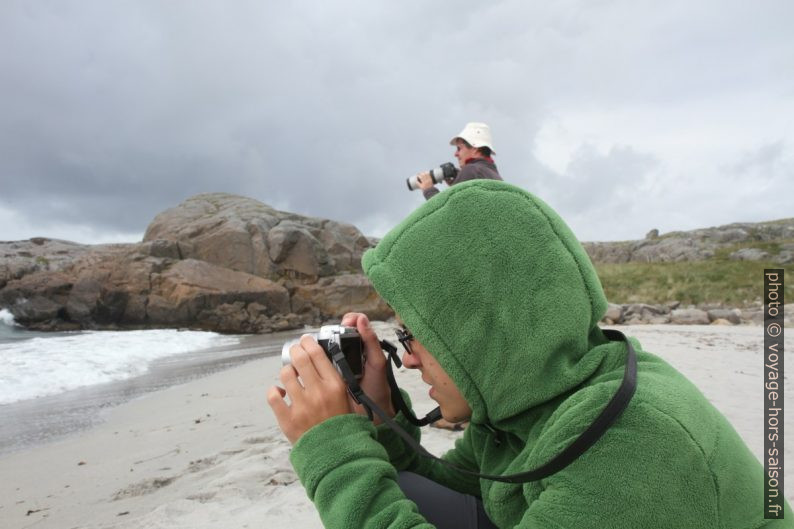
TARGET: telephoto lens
(445,171)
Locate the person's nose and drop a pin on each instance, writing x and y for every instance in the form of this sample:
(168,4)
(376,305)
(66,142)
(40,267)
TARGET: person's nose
(410,360)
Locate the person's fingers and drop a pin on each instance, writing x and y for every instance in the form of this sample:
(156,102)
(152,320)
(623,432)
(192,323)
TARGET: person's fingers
(321,365)
(302,361)
(275,398)
(350,319)
(289,377)
(372,349)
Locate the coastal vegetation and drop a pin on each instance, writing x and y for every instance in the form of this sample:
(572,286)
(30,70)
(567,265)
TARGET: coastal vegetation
(721,280)
(712,282)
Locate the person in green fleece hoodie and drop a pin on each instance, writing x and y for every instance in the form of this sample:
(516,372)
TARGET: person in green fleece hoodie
(503,304)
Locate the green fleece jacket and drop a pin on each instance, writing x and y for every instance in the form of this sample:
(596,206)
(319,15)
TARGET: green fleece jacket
(496,287)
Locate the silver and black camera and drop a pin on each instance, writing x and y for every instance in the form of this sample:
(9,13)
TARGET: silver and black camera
(348,340)
(444,172)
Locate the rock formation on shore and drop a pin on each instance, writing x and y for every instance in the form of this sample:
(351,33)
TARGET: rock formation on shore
(701,244)
(232,264)
(673,312)
(217,261)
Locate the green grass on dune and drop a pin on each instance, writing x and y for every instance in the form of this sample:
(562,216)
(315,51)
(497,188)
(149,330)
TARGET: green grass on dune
(715,281)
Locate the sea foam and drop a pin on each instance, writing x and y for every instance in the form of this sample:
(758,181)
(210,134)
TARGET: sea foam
(6,318)
(47,364)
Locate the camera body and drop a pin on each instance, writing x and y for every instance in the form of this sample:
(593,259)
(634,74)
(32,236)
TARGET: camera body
(444,172)
(347,338)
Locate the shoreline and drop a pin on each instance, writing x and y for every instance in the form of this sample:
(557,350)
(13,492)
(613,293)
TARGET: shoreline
(31,422)
(207,453)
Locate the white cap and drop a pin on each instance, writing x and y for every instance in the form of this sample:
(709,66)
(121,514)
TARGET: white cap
(476,135)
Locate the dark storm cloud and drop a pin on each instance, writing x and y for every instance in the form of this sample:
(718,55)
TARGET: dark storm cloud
(140,107)
(115,111)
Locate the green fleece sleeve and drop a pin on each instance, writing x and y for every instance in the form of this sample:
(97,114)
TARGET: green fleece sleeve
(347,474)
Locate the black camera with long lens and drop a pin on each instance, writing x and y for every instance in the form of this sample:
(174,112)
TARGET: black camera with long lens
(444,172)
(347,338)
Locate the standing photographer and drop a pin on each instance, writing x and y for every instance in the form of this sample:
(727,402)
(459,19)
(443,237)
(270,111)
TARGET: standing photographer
(474,151)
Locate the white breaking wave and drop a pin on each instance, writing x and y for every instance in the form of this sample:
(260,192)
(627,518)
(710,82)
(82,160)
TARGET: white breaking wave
(49,365)
(6,318)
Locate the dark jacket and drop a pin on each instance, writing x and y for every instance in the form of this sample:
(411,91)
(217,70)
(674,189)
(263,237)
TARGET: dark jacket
(476,168)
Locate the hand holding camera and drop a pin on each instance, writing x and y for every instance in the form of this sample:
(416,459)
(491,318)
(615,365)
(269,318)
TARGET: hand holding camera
(446,172)
(374,381)
(321,393)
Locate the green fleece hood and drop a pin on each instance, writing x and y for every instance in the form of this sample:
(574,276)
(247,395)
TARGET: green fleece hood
(496,287)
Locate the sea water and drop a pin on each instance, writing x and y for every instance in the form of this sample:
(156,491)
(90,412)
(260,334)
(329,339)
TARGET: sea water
(36,364)
(56,384)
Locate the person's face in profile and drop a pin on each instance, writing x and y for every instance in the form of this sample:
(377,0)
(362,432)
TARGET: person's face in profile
(443,390)
(464,151)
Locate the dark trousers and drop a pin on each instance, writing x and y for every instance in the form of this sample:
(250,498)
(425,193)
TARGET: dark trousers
(443,507)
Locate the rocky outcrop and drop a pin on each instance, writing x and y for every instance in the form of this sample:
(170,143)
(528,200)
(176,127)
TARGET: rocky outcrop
(691,316)
(243,234)
(216,261)
(323,298)
(34,255)
(644,314)
(772,242)
(233,264)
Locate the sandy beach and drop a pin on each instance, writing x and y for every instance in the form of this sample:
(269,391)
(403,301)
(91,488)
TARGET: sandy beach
(208,453)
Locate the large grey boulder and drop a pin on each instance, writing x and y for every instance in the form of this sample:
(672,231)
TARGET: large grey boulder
(186,290)
(689,317)
(297,252)
(753,314)
(354,292)
(614,314)
(749,254)
(225,230)
(733,316)
(216,261)
(641,313)
(246,235)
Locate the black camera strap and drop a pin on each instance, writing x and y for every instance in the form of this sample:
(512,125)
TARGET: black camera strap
(396,396)
(360,397)
(588,437)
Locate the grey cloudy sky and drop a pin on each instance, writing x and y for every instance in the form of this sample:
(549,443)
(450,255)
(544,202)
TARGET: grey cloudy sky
(623,115)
